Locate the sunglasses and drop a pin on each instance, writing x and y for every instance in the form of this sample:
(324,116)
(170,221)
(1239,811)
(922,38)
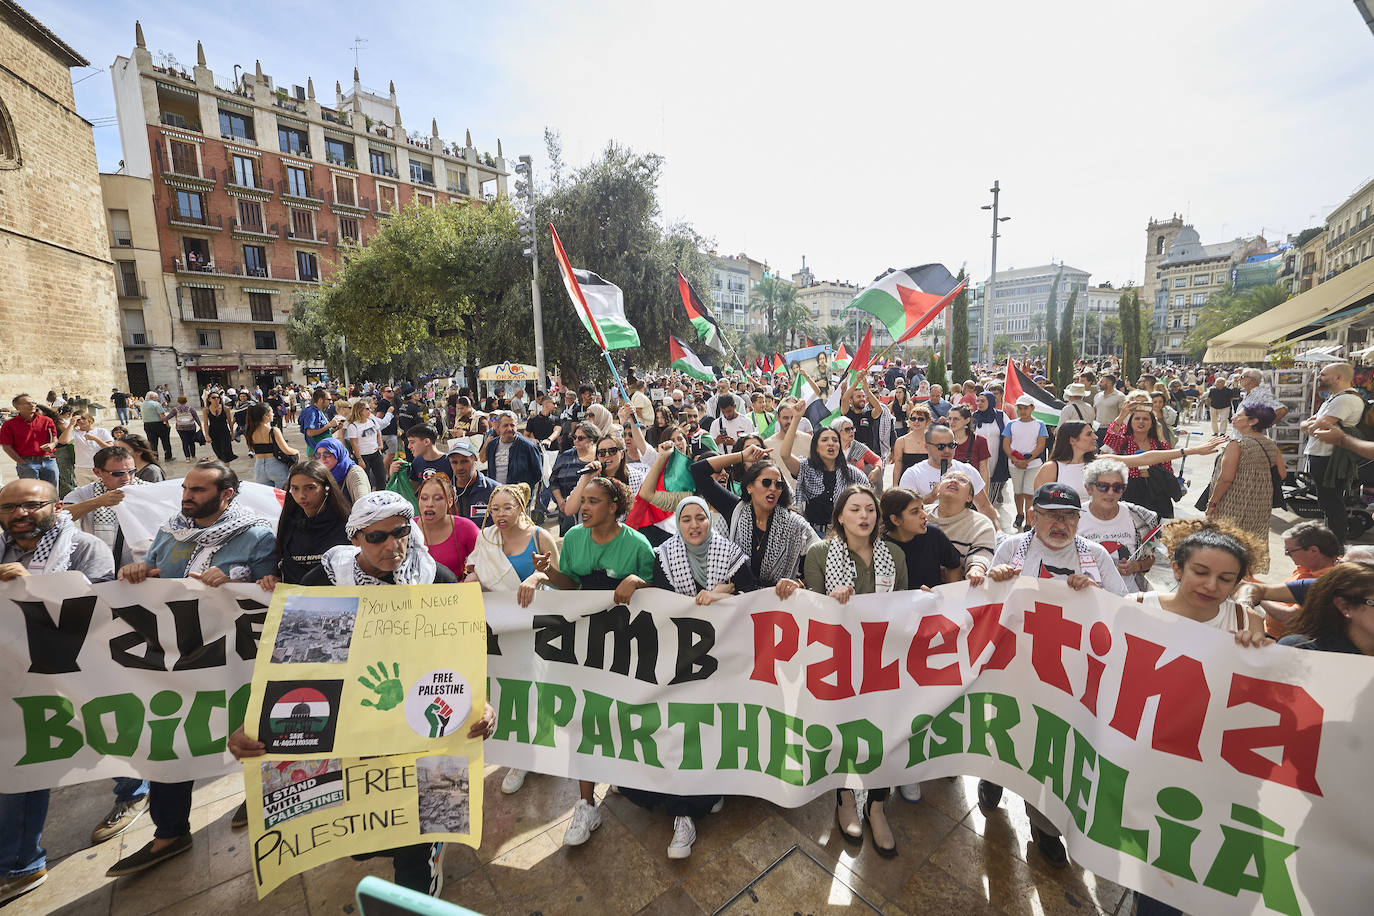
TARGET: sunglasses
(1110,487)
(380,537)
(581,439)
(769,483)
(943,446)
(119,474)
(607,452)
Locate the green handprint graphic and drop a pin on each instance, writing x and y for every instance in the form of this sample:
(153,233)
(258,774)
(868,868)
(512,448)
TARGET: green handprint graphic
(389,690)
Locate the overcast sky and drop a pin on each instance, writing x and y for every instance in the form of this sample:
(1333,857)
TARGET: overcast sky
(860,135)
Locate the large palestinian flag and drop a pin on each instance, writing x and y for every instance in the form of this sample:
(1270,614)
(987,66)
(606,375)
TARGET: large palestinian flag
(599,303)
(1047,406)
(907,300)
(707,329)
(684,360)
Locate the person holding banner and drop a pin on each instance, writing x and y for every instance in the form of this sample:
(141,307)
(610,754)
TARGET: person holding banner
(762,523)
(600,553)
(852,560)
(1051,549)
(1210,561)
(969,531)
(40,538)
(216,540)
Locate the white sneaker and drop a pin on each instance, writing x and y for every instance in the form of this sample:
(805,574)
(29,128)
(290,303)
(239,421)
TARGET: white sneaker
(911,792)
(586,818)
(513,781)
(684,835)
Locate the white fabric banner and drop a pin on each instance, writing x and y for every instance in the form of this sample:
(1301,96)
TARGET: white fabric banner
(145,509)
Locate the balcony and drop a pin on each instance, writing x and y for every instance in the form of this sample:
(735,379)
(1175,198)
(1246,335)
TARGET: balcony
(302,153)
(255,231)
(264,272)
(348,203)
(420,179)
(320,238)
(122,240)
(346,162)
(137,339)
(179,122)
(204,221)
(132,289)
(284,101)
(182,175)
(261,188)
(231,315)
(195,266)
(307,199)
(384,171)
(336,117)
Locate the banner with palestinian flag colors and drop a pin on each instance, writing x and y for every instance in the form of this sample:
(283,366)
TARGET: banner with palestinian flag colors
(907,300)
(684,360)
(599,303)
(1047,406)
(708,330)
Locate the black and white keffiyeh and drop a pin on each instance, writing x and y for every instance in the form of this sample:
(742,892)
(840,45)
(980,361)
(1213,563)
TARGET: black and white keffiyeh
(723,557)
(53,552)
(841,571)
(786,540)
(811,479)
(417,567)
(104,518)
(235,520)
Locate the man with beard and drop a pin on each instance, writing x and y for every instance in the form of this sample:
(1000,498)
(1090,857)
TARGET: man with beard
(38,538)
(1342,408)
(1051,549)
(214,539)
(698,443)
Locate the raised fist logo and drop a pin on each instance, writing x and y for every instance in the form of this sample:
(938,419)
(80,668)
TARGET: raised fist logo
(437,714)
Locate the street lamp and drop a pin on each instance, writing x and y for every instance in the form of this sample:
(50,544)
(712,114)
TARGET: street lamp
(991,292)
(524,195)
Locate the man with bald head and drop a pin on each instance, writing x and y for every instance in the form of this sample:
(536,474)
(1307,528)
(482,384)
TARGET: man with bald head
(1342,408)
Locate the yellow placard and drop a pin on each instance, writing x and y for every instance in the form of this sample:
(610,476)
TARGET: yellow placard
(364,697)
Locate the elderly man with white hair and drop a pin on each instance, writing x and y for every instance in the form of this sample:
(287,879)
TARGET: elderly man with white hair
(386,548)
(1257,394)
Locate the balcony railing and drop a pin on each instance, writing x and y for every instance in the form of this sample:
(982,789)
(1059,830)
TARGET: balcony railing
(320,237)
(133,289)
(348,162)
(289,104)
(253,228)
(420,179)
(209,221)
(246,270)
(137,339)
(179,122)
(260,184)
(335,117)
(303,152)
(301,194)
(123,240)
(196,265)
(384,171)
(348,200)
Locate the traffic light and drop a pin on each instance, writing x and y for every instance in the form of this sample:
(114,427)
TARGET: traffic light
(524,203)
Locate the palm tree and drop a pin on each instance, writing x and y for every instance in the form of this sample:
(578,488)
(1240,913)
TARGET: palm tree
(793,320)
(832,335)
(1038,322)
(770,295)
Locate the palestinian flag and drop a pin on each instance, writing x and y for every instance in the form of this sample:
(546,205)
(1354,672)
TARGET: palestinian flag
(676,478)
(684,360)
(840,361)
(810,342)
(860,362)
(1047,406)
(707,328)
(303,709)
(905,301)
(777,363)
(600,303)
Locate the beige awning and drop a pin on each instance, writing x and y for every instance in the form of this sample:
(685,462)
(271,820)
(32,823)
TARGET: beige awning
(1250,341)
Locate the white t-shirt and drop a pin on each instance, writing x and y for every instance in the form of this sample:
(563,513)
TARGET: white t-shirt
(923,476)
(500,461)
(1225,620)
(366,434)
(1116,535)
(644,408)
(739,426)
(85,448)
(1347,408)
(1043,563)
(1023,435)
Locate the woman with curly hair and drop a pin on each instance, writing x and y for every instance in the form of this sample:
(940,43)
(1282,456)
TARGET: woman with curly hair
(1210,559)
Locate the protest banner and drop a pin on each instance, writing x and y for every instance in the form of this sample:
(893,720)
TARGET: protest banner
(146,508)
(363,696)
(1215,778)
(122,680)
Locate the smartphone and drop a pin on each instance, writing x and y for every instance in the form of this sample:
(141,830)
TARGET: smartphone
(379,897)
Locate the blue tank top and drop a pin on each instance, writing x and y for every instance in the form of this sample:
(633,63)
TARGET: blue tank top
(523,562)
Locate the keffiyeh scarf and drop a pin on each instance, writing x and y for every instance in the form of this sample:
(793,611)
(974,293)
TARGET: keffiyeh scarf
(235,520)
(105,518)
(690,568)
(418,568)
(841,571)
(785,541)
(811,479)
(53,552)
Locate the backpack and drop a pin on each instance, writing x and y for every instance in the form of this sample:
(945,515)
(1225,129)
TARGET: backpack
(1364,427)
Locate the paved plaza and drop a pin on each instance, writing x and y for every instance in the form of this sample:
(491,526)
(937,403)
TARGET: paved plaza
(751,858)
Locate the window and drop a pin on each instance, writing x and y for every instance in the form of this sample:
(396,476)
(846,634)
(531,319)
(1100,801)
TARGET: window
(1178,301)
(292,140)
(421,172)
(297,181)
(380,162)
(1159,245)
(1180,282)
(1201,279)
(245,172)
(343,190)
(307,268)
(338,152)
(1199,299)
(265,340)
(184,160)
(458,181)
(203,304)
(1178,322)
(302,224)
(250,215)
(386,198)
(426,199)
(260,307)
(190,206)
(9,142)
(254,261)
(348,228)
(128,278)
(235,125)
(207,339)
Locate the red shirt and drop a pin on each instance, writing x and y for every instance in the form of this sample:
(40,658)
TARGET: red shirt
(27,437)
(454,552)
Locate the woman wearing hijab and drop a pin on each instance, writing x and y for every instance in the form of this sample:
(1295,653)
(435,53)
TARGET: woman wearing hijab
(988,423)
(347,473)
(698,562)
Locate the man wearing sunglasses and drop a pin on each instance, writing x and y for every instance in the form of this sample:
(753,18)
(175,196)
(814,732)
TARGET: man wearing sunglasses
(1118,526)
(924,475)
(92,506)
(37,537)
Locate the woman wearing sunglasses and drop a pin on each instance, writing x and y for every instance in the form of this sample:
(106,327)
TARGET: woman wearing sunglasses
(1120,527)
(567,472)
(217,427)
(910,447)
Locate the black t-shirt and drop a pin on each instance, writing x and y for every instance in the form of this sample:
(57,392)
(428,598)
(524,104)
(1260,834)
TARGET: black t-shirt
(819,507)
(927,555)
(120,399)
(1221,397)
(317,576)
(540,427)
(891,375)
(865,427)
(408,415)
(570,417)
(383,405)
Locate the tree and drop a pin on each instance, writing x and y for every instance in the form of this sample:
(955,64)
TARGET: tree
(833,335)
(772,295)
(1062,371)
(1002,346)
(1128,307)
(1226,308)
(1038,324)
(793,322)
(936,373)
(1051,324)
(959,340)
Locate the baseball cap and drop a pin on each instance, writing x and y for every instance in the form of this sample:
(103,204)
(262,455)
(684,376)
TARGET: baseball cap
(1056,496)
(1025,400)
(463,447)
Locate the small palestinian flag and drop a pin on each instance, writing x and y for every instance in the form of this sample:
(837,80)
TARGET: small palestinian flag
(1047,406)
(303,709)
(707,328)
(905,301)
(840,362)
(684,360)
(677,478)
(860,362)
(777,362)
